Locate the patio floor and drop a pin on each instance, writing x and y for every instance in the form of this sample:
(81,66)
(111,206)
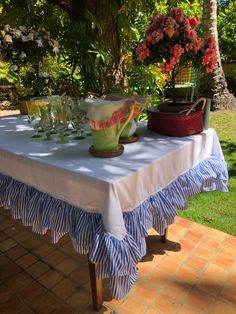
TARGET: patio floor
(193,272)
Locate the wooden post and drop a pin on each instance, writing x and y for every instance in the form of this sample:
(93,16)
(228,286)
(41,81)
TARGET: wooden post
(96,286)
(163,237)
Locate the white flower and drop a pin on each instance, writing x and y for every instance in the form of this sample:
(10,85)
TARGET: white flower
(46,81)
(45,74)
(13,68)
(22,28)
(17,33)
(7,27)
(22,55)
(39,42)
(8,39)
(55,49)
(24,38)
(30,36)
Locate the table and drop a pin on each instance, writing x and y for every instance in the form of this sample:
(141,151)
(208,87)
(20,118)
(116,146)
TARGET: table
(105,205)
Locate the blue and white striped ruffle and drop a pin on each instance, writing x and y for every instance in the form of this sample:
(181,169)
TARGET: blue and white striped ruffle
(116,259)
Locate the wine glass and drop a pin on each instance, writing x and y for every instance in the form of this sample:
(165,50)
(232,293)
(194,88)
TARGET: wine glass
(60,117)
(46,120)
(34,117)
(77,121)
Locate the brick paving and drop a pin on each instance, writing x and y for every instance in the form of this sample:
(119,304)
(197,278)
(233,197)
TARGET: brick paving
(194,272)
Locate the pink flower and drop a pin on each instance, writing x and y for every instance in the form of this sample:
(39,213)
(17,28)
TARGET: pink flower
(171,27)
(142,51)
(194,22)
(198,44)
(189,46)
(179,15)
(211,42)
(166,67)
(209,59)
(154,37)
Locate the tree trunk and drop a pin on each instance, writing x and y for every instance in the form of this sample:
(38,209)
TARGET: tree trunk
(105,12)
(215,83)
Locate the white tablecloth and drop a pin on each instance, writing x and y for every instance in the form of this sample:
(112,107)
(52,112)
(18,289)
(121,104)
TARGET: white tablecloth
(105,205)
(108,186)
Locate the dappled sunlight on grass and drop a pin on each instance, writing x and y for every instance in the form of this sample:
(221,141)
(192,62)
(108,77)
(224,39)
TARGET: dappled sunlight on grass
(218,209)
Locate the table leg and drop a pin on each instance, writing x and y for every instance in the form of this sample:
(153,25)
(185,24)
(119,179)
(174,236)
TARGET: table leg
(164,236)
(96,286)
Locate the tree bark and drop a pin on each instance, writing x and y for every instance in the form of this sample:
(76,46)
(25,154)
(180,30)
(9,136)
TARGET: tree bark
(104,11)
(215,83)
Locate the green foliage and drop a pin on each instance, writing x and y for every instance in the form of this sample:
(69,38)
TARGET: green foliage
(217,209)
(227,30)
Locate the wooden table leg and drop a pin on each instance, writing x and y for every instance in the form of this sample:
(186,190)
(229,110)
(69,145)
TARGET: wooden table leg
(164,237)
(96,286)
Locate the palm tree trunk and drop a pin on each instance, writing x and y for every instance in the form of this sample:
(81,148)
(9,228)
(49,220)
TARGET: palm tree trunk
(215,83)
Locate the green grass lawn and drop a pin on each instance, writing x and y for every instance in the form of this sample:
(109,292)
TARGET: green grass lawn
(217,209)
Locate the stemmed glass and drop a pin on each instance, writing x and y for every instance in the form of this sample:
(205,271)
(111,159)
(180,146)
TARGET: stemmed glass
(60,115)
(34,117)
(77,120)
(46,120)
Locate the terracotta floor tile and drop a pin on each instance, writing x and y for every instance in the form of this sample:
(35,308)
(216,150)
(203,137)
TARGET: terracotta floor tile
(19,281)
(80,275)
(9,271)
(188,309)
(157,278)
(227,249)
(26,310)
(204,252)
(224,262)
(26,260)
(65,288)
(194,236)
(44,250)
(47,304)
(184,222)
(211,286)
(168,264)
(16,252)
(7,245)
(50,279)
(217,234)
(200,300)
(145,292)
(231,239)
(11,306)
(3,236)
(22,235)
(196,262)
(32,243)
(67,266)
(187,245)
(132,304)
(200,228)
(37,269)
(152,311)
(177,289)
(216,273)
(228,293)
(221,307)
(177,231)
(31,292)
(210,243)
(4,260)
(187,275)
(54,258)
(167,304)
(80,300)
(5,293)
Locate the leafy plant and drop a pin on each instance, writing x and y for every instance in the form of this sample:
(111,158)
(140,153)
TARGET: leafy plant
(172,40)
(24,47)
